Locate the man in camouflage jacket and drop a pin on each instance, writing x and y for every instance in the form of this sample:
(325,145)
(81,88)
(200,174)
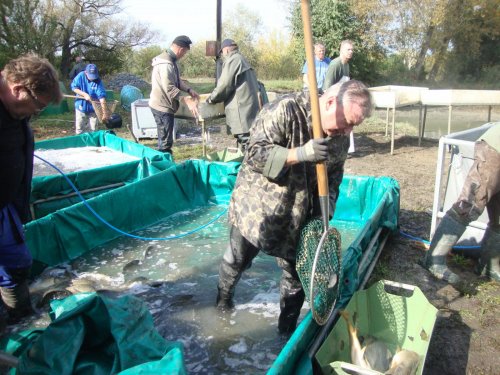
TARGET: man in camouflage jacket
(276,188)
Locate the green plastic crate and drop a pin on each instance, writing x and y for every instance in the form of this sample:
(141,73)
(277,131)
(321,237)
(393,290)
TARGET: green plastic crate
(397,314)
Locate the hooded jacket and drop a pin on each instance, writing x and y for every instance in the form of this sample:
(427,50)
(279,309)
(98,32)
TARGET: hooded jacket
(238,88)
(166,84)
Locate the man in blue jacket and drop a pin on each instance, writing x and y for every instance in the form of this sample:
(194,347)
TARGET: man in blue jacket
(89,87)
(27,85)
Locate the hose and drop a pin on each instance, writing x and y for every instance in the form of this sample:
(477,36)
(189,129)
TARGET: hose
(84,201)
(425,242)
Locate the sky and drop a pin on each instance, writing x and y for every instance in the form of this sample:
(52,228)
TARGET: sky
(196,18)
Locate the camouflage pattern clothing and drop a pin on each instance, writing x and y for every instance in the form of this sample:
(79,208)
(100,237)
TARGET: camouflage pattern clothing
(482,185)
(271,201)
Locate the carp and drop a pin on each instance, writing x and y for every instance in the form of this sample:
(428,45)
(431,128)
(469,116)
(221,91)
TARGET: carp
(374,355)
(404,362)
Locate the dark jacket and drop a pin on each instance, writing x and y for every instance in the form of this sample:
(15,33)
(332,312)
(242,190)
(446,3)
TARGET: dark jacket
(16,163)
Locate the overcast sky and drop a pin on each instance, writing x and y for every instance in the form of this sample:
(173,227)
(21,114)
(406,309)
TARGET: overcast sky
(196,18)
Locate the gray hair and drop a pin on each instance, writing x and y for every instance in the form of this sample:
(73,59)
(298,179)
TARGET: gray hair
(353,91)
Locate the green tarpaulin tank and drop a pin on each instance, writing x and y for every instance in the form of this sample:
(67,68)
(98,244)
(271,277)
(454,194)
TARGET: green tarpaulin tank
(367,212)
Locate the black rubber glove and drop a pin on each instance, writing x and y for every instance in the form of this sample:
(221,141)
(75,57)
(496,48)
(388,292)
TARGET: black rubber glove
(314,151)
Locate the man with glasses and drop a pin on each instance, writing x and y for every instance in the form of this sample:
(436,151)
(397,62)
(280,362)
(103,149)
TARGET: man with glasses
(27,85)
(89,87)
(276,189)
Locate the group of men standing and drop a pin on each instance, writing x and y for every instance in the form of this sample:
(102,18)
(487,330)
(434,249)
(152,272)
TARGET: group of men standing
(237,88)
(329,72)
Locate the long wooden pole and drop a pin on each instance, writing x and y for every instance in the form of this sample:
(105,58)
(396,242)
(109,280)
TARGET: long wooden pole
(316,118)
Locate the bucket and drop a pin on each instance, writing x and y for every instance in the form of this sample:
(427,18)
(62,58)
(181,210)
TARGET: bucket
(397,314)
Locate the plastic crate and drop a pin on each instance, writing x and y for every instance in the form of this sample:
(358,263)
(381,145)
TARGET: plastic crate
(397,314)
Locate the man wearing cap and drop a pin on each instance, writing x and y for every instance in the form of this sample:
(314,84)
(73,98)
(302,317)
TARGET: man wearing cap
(166,90)
(89,87)
(238,88)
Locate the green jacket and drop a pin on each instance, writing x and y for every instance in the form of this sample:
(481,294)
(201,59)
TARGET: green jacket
(237,87)
(336,70)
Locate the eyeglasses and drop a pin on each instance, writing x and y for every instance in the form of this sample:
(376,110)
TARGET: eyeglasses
(38,103)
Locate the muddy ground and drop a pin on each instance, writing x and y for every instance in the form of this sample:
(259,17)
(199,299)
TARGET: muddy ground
(466,336)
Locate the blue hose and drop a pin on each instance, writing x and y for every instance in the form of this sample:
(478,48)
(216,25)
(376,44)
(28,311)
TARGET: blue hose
(119,230)
(425,242)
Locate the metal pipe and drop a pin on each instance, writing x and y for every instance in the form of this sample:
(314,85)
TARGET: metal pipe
(118,184)
(218,60)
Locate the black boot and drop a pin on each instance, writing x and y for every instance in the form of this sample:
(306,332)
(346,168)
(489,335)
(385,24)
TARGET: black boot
(224,300)
(17,302)
(291,297)
(446,236)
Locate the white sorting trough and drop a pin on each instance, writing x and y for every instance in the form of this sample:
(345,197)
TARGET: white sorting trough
(144,125)
(452,98)
(392,97)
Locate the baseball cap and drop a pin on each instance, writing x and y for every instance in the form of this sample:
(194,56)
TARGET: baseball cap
(92,72)
(227,43)
(183,41)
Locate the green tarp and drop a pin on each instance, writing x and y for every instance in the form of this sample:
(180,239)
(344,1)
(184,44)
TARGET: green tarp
(92,334)
(48,192)
(366,204)
(72,231)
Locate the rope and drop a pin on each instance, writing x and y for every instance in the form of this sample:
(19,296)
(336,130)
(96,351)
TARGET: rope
(119,230)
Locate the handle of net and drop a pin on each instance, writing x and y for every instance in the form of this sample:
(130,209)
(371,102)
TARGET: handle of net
(316,118)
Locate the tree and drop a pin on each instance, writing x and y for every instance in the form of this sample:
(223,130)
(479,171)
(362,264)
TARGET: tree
(276,58)
(436,39)
(242,25)
(62,27)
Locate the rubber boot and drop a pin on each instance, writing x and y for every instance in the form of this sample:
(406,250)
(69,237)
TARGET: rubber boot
(446,236)
(237,258)
(291,298)
(228,277)
(490,255)
(16,297)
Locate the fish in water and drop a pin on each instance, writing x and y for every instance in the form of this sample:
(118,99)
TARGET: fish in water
(404,362)
(374,355)
(132,266)
(61,282)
